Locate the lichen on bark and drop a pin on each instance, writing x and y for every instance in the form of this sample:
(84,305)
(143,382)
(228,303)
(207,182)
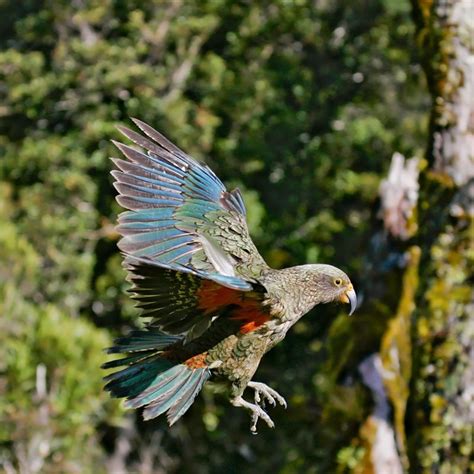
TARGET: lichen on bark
(396,351)
(445,37)
(442,417)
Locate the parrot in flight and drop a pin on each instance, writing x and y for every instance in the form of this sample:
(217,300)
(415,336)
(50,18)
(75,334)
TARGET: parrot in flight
(215,306)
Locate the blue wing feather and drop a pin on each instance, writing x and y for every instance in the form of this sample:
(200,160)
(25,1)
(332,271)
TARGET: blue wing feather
(169,195)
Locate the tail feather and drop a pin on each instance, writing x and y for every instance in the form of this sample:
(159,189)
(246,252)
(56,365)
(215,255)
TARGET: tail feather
(136,378)
(167,399)
(151,381)
(186,392)
(126,360)
(160,386)
(142,341)
(193,387)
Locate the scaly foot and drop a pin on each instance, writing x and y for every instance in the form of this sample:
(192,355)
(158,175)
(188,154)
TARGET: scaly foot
(264,393)
(257,412)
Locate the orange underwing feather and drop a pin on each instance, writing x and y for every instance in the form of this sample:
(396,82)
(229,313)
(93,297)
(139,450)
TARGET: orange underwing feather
(251,314)
(212,296)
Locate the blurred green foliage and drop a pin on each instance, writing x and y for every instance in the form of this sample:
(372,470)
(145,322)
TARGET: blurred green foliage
(50,398)
(300,103)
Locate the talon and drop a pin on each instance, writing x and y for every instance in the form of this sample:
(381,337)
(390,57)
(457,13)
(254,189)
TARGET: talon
(257,412)
(263,392)
(257,397)
(253,425)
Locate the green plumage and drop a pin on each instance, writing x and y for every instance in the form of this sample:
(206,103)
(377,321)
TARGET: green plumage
(215,307)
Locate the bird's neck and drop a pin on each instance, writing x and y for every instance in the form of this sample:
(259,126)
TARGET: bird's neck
(291,292)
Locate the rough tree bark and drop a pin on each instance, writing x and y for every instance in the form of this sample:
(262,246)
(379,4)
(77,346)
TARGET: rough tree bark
(441,404)
(422,377)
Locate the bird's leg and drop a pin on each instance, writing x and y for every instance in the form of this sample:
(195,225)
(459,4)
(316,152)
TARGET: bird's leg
(263,392)
(257,412)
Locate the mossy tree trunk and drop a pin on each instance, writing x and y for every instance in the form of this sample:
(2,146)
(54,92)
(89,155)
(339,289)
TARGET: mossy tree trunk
(441,413)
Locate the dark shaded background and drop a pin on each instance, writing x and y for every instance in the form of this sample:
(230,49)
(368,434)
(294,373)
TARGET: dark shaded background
(299,103)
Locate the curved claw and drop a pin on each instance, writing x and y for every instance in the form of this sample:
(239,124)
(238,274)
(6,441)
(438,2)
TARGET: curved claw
(257,413)
(260,413)
(264,392)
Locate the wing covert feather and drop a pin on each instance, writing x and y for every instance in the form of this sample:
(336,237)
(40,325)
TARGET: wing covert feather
(179,212)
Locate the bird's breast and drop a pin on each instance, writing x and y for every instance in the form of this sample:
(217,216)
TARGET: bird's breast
(237,357)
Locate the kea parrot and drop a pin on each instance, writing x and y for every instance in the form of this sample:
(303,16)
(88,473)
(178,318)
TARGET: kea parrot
(215,306)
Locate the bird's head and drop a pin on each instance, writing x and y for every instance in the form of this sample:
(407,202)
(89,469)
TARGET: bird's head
(328,283)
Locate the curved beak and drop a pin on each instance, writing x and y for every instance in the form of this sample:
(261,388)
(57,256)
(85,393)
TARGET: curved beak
(350,297)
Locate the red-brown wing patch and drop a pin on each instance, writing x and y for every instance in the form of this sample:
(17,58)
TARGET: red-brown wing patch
(251,315)
(211,296)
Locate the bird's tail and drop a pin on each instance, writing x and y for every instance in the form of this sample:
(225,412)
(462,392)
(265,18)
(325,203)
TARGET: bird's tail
(152,381)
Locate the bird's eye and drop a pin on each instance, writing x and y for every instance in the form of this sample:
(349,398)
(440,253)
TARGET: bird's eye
(338,282)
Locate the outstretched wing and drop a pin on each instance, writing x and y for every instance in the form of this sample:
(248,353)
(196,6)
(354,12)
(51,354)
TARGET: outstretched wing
(180,214)
(186,302)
